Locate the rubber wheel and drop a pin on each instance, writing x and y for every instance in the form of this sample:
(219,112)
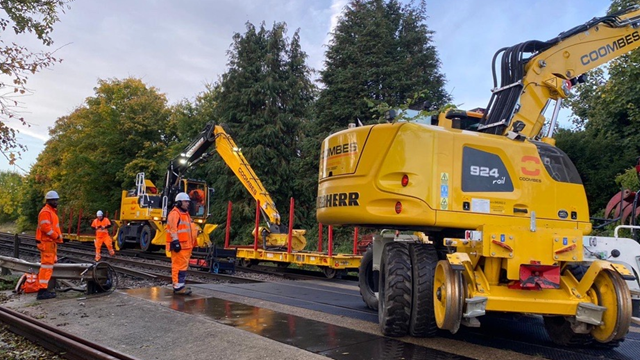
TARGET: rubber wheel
(329,273)
(559,330)
(121,243)
(146,235)
(368,280)
(424,259)
(394,309)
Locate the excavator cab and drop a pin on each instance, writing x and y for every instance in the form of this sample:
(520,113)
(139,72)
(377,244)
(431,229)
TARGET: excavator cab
(197,192)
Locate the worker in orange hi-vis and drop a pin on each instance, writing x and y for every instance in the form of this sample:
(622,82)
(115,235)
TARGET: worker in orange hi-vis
(101,225)
(48,236)
(180,241)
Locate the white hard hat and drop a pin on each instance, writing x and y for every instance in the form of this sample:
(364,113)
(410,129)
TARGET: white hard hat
(51,195)
(99,213)
(182,197)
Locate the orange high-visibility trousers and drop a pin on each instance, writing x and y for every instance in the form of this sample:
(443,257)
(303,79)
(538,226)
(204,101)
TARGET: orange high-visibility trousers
(107,241)
(48,255)
(179,266)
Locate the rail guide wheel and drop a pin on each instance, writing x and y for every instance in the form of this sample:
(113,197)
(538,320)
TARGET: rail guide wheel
(448,297)
(611,291)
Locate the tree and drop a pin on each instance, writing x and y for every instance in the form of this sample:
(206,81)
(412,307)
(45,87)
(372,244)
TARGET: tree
(96,151)
(381,51)
(607,117)
(10,183)
(263,100)
(18,62)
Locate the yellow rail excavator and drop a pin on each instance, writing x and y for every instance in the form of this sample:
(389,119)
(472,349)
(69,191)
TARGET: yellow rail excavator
(144,210)
(502,208)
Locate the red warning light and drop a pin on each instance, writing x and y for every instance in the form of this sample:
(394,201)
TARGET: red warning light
(405,180)
(398,207)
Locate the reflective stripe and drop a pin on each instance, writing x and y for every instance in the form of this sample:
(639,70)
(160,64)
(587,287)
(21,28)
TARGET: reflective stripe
(44,281)
(46,266)
(45,222)
(184,231)
(178,285)
(174,236)
(50,232)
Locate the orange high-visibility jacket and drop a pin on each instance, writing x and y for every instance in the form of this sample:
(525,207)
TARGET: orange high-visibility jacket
(179,227)
(97,223)
(48,225)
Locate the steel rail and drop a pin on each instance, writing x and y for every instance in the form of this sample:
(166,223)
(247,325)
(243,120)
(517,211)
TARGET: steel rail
(63,343)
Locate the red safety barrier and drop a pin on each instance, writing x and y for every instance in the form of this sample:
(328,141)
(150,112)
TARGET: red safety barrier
(70,219)
(255,236)
(319,237)
(79,219)
(330,245)
(290,226)
(355,240)
(228,228)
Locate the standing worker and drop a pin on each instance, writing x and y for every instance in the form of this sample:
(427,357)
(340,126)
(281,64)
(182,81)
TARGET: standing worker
(101,226)
(180,241)
(48,236)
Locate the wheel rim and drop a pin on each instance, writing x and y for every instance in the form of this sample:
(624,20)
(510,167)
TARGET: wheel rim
(611,291)
(447,297)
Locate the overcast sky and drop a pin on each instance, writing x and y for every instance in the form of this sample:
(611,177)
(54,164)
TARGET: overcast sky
(179,46)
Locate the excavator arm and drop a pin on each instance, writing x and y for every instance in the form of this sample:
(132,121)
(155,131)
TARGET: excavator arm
(232,156)
(528,84)
(200,149)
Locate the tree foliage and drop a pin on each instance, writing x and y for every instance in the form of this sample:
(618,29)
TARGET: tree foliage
(262,101)
(17,62)
(607,119)
(381,51)
(97,150)
(10,183)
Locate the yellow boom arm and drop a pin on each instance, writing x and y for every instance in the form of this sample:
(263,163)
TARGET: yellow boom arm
(232,156)
(553,66)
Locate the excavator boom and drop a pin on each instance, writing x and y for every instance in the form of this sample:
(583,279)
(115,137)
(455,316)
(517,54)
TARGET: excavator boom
(528,83)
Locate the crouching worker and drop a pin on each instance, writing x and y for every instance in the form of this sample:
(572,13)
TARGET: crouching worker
(48,236)
(180,241)
(101,225)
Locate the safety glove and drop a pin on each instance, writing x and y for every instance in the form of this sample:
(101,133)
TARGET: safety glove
(175,246)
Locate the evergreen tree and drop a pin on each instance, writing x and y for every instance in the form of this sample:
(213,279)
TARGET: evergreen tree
(262,101)
(381,51)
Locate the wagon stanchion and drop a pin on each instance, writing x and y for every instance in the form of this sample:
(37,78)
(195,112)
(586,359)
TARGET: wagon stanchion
(330,244)
(320,237)
(291,208)
(228,227)
(255,235)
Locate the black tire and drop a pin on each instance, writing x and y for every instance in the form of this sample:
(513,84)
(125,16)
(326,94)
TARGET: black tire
(424,259)
(146,235)
(122,244)
(559,330)
(394,309)
(368,280)
(282,265)
(330,273)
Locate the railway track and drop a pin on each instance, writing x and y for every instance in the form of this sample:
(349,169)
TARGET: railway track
(58,341)
(131,258)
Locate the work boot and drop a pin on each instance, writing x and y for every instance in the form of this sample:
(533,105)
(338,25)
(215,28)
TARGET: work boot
(44,294)
(182,291)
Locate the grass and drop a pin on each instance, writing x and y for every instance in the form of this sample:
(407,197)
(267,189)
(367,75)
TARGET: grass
(8,227)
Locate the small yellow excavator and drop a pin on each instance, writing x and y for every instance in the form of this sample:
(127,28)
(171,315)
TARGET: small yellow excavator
(503,210)
(144,210)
